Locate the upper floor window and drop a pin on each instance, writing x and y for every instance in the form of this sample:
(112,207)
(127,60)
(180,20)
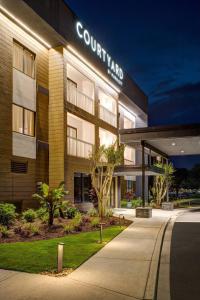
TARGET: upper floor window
(23,120)
(106,137)
(127,119)
(23,60)
(80,136)
(80,90)
(107,108)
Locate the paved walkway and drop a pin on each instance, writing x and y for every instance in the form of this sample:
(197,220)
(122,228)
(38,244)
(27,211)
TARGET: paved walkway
(124,269)
(185,257)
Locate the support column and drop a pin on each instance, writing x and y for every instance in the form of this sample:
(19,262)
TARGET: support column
(143,176)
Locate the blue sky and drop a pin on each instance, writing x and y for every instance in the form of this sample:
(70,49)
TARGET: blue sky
(158,43)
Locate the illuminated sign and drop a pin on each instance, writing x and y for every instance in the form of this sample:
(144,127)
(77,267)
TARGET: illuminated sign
(114,69)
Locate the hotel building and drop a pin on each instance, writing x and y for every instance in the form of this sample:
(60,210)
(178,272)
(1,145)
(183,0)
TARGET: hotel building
(62,95)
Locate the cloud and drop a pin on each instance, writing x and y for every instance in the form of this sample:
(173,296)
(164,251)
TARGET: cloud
(179,105)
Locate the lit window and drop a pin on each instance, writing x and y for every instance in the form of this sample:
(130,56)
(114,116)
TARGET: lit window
(106,137)
(23,60)
(23,120)
(108,109)
(17,117)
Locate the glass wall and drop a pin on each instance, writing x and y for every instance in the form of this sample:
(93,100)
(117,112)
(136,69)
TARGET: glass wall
(80,136)
(129,156)
(127,119)
(106,137)
(107,108)
(23,120)
(80,90)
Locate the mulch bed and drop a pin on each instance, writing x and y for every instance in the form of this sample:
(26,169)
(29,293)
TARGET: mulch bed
(18,234)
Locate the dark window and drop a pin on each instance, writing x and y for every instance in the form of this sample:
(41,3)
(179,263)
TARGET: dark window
(19,167)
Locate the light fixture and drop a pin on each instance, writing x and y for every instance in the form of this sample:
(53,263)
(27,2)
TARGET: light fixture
(173,144)
(24,26)
(92,68)
(182,151)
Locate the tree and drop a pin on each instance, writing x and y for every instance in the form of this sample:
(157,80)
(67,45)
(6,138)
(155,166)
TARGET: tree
(51,199)
(103,161)
(162,182)
(180,177)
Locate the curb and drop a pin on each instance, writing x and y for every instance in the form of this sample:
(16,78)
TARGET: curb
(153,283)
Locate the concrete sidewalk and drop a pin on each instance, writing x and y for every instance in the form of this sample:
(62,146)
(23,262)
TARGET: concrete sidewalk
(124,269)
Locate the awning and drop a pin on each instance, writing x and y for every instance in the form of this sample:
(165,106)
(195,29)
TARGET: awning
(168,140)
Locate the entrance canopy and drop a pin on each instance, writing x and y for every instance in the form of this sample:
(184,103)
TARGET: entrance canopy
(164,140)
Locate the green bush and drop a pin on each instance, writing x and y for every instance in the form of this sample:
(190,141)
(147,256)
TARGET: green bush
(77,221)
(56,213)
(109,213)
(95,222)
(29,215)
(32,228)
(4,231)
(41,212)
(136,203)
(71,212)
(92,212)
(7,213)
(69,228)
(123,203)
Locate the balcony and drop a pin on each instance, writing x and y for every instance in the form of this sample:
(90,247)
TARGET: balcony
(107,116)
(79,148)
(79,99)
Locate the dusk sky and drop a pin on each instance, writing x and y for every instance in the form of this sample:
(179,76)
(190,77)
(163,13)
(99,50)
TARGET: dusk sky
(158,44)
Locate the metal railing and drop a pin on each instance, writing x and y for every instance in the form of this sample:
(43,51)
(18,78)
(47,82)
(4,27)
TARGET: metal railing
(128,162)
(79,148)
(107,115)
(80,99)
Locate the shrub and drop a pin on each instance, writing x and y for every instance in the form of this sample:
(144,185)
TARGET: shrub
(32,228)
(113,222)
(56,213)
(7,213)
(45,218)
(4,231)
(136,203)
(68,228)
(92,212)
(41,212)
(109,213)
(95,222)
(77,221)
(123,203)
(29,215)
(71,212)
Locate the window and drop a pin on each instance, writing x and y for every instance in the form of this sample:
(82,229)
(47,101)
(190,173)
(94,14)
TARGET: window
(108,109)
(23,120)
(127,118)
(80,90)
(107,138)
(23,60)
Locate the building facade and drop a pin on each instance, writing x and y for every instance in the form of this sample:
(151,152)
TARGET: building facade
(61,97)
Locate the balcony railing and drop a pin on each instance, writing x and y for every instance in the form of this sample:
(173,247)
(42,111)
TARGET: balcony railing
(80,99)
(107,115)
(79,148)
(128,162)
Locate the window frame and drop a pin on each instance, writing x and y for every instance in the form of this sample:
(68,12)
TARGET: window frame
(23,123)
(24,49)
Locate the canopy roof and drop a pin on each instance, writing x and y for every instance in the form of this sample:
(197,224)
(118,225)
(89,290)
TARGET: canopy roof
(165,140)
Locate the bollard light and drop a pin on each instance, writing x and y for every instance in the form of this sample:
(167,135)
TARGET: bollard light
(101,232)
(60,257)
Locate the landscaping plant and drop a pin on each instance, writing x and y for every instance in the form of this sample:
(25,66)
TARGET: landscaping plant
(162,183)
(71,212)
(103,161)
(51,199)
(4,231)
(29,215)
(7,213)
(95,222)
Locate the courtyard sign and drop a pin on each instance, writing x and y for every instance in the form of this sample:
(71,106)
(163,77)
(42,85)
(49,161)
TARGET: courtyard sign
(113,68)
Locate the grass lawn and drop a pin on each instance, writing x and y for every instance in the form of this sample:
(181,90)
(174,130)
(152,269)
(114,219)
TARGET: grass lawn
(40,256)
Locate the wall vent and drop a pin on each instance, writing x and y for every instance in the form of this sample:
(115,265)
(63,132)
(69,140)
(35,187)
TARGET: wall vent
(19,167)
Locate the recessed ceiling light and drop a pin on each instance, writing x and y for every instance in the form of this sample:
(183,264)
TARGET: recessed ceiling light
(182,151)
(173,144)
